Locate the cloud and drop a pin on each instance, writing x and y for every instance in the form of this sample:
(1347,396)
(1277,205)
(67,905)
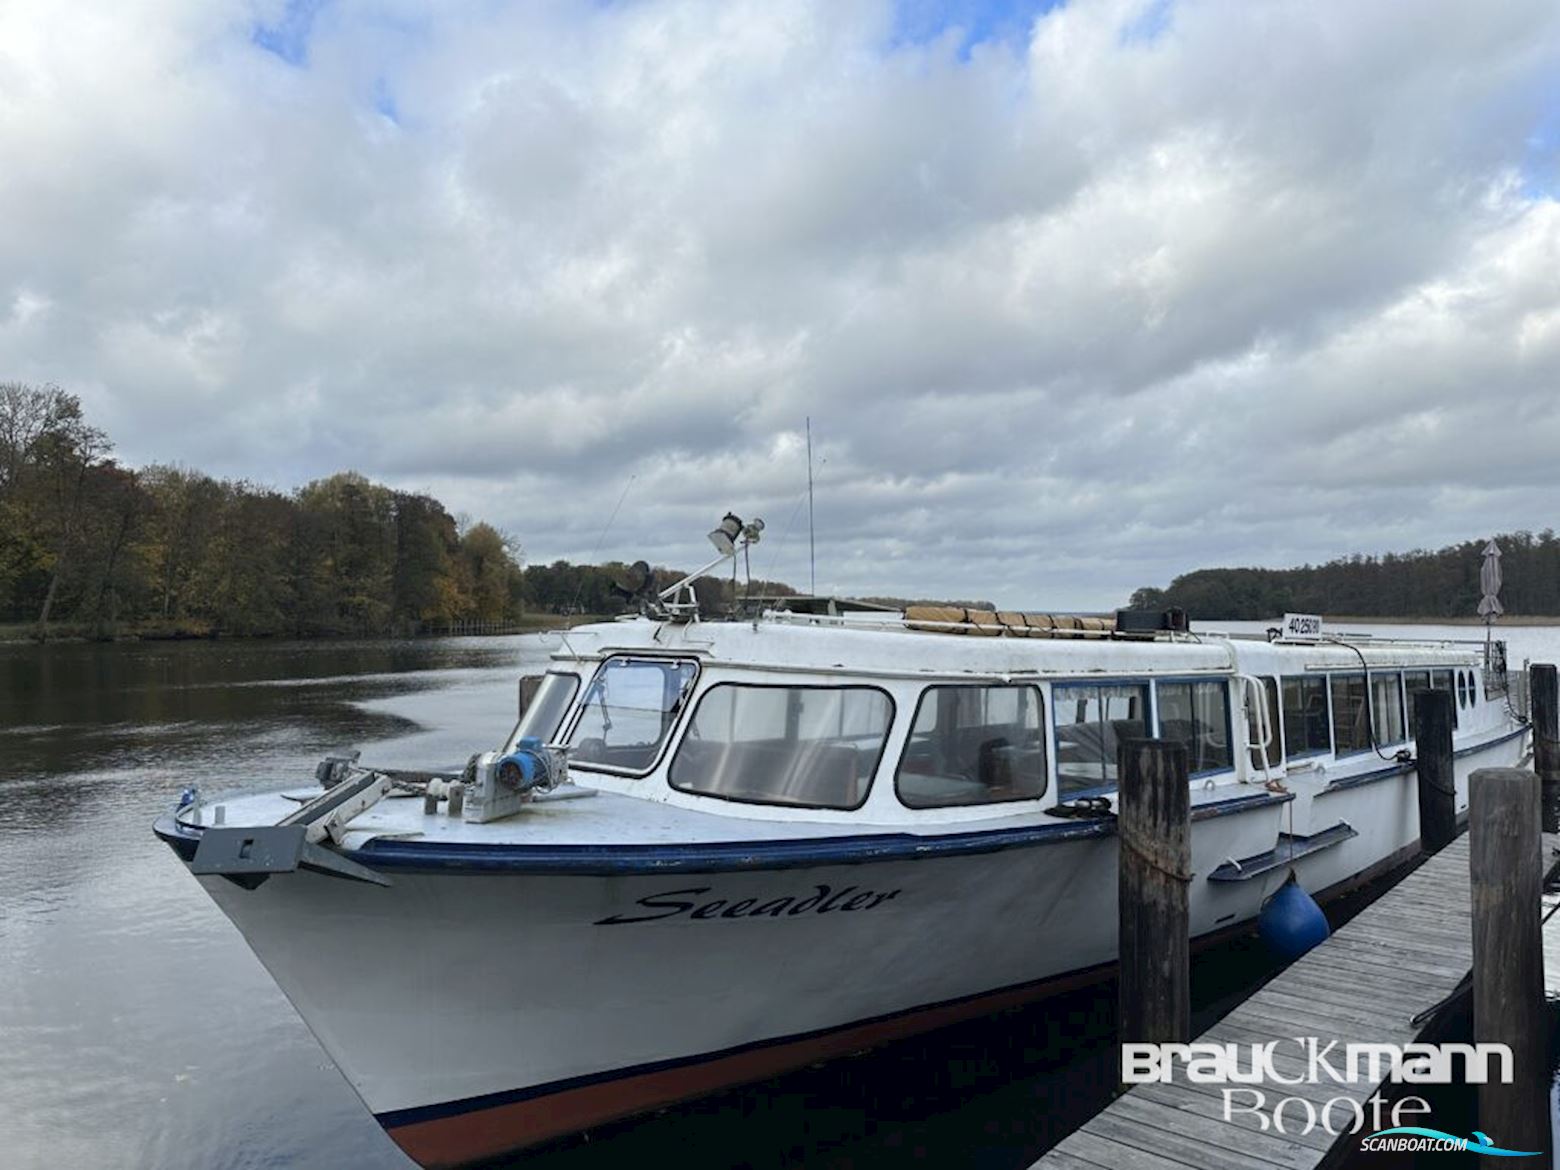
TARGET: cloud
(1078,297)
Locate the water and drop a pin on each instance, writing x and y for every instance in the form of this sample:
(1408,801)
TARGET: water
(138,1030)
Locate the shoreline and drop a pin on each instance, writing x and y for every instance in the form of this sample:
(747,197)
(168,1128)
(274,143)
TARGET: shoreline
(1506,621)
(26,633)
(23,633)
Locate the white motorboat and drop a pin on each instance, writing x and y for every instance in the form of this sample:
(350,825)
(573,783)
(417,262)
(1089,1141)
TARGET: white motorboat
(714,850)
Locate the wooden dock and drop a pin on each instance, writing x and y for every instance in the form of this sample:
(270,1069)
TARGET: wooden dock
(1395,961)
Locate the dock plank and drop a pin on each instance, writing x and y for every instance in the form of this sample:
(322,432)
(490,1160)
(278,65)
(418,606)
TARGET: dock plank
(1184,1123)
(1407,951)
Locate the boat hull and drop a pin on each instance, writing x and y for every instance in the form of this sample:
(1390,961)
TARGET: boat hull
(480,1012)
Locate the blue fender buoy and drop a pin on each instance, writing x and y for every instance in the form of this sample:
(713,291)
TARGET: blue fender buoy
(1291,922)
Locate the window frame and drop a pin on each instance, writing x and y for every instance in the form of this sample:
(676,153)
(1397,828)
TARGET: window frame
(1229,726)
(564,717)
(672,731)
(1150,719)
(1450,673)
(1410,709)
(1046,730)
(1332,724)
(1326,695)
(872,774)
(1402,703)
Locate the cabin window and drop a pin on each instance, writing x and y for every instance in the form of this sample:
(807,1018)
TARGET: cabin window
(1305,716)
(1197,714)
(1414,681)
(628,711)
(1386,699)
(1090,721)
(1441,680)
(1275,747)
(548,707)
(1351,714)
(974,745)
(810,747)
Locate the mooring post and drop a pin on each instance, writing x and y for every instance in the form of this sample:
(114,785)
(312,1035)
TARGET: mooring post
(1505,865)
(1153,823)
(1545,698)
(1433,756)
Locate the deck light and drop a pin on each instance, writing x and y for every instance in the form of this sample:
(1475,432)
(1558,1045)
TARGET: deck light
(724,538)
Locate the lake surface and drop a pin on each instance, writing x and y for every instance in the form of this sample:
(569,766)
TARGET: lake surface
(137,1030)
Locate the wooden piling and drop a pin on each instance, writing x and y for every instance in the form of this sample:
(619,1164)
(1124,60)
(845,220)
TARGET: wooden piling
(1154,827)
(1506,871)
(1545,698)
(1433,755)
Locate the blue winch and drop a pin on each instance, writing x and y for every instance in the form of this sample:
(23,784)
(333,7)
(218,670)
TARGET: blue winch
(528,767)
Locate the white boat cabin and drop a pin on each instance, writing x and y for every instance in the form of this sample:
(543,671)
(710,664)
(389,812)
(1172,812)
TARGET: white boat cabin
(886,718)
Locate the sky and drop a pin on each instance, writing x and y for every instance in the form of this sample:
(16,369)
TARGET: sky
(1078,296)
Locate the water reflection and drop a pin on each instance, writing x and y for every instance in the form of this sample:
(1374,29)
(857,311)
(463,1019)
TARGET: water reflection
(139,1030)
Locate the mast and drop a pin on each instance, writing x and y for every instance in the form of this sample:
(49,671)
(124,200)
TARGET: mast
(812,552)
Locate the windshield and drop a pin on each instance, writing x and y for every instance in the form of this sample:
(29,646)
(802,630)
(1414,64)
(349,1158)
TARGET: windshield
(628,711)
(547,707)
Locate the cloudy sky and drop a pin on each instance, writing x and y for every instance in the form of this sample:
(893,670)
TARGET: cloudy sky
(1078,296)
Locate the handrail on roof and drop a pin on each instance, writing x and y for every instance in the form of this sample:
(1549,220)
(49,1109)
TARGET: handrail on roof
(998,628)
(993,628)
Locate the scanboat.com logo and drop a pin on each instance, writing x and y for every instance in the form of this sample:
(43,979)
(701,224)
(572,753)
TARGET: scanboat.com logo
(1416,1140)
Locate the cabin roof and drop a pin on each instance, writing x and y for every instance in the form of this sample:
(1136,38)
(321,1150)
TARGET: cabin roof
(884,645)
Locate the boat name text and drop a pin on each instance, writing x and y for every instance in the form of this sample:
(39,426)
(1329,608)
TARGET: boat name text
(691,903)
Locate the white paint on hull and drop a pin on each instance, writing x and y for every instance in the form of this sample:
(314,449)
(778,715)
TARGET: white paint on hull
(448,986)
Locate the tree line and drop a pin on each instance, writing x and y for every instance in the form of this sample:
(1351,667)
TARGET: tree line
(90,546)
(1420,584)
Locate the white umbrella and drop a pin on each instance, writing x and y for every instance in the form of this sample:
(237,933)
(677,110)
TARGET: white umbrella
(1489,582)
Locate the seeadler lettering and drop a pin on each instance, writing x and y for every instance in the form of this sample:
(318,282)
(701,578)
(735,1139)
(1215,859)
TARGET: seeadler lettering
(691,904)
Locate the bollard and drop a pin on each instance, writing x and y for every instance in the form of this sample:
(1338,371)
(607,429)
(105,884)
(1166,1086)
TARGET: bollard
(1437,783)
(430,802)
(1546,739)
(457,796)
(1153,824)
(1505,866)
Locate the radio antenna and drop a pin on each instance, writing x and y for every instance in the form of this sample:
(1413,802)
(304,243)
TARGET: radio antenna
(812,550)
(600,540)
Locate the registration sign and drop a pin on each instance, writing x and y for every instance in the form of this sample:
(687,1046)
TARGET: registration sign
(1302,627)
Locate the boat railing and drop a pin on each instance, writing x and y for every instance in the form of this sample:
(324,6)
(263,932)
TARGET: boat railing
(989,625)
(899,623)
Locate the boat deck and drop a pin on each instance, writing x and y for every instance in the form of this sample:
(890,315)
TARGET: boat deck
(1400,957)
(586,816)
